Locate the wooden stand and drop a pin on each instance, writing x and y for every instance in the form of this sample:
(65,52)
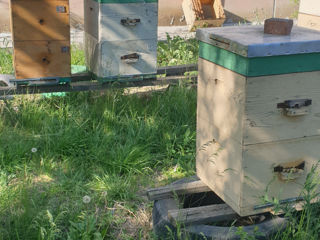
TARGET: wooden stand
(203,13)
(195,215)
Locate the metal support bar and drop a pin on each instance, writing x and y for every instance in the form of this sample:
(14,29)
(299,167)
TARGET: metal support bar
(83,82)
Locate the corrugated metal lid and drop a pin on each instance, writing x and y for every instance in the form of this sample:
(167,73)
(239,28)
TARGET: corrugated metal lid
(250,41)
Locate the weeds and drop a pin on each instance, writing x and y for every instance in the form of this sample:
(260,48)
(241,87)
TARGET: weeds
(177,51)
(107,147)
(6,66)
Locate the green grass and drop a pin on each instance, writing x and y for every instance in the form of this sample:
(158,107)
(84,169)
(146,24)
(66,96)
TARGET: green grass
(76,167)
(108,147)
(54,152)
(6,66)
(177,51)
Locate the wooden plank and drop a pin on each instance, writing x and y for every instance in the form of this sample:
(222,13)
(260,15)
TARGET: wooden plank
(177,189)
(201,215)
(203,13)
(259,163)
(265,123)
(37,59)
(221,97)
(177,70)
(40,20)
(111,62)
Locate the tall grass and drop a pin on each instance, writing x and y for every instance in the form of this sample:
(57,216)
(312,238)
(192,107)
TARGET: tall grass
(6,66)
(86,144)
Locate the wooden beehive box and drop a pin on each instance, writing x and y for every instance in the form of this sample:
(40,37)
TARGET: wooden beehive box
(203,13)
(121,38)
(41,38)
(309,14)
(258,130)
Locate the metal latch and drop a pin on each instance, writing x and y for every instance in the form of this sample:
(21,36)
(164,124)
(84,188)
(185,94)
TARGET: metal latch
(131,58)
(297,107)
(61,9)
(130,21)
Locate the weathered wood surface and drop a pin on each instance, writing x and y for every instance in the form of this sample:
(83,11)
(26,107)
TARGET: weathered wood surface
(242,135)
(203,13)
(220,109)
(108,38)
(177,70)
(265,123)
(28,23)
(112,65)
(259,161)
(176,190)
(201,215)
(111,28)
(37,59)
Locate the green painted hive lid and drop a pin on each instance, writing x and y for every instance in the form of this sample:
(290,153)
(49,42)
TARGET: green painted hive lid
(251,41)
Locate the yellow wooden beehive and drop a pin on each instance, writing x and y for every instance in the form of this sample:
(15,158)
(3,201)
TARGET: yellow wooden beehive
(258,131)
(41,38)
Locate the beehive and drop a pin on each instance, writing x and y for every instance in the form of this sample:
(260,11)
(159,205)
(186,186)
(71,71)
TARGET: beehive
(203,13)
(121,38)
(41,38)
(258,130)
(309,14)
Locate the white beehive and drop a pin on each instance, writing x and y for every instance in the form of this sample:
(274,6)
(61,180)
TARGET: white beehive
(258,119)
(121,38)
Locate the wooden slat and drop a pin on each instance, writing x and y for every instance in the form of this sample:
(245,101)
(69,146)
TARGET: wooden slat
(200,215)
(177,189)
(177,70)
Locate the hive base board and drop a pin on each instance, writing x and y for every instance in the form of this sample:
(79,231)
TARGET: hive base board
(84,82)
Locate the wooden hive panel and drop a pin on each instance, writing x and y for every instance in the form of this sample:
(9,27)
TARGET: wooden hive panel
(265,122)
(38,59)
(219,130)
(40,20)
